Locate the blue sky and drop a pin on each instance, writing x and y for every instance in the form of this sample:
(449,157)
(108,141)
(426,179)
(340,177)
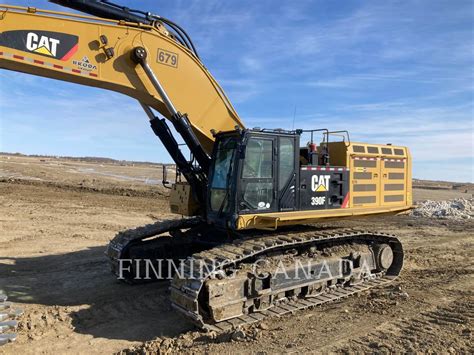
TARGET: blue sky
(396,72)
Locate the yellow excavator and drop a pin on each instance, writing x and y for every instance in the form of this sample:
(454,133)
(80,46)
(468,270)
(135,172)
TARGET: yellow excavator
(246,245)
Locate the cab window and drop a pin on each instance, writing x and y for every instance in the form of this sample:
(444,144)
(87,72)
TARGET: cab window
(257,175)
(286,161)
(258,159)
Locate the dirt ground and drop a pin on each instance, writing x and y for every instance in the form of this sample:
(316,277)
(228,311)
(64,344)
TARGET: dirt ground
(58,215)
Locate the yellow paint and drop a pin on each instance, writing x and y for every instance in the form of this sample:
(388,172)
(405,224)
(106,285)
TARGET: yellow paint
(279,219)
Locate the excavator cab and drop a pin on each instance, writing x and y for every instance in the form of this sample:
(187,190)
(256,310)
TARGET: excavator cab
(253,172)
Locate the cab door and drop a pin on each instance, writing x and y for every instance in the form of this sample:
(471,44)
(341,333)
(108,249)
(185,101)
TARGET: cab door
(258,176)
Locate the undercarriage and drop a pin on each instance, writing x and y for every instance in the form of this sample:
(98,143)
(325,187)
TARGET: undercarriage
(222,281)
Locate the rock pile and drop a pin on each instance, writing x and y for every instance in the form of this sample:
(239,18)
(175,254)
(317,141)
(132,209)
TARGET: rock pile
(457,209)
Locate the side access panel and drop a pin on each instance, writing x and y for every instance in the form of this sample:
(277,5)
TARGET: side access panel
(394,175)
(365,181)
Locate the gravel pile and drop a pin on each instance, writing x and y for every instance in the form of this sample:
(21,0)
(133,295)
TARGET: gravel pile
(456,209)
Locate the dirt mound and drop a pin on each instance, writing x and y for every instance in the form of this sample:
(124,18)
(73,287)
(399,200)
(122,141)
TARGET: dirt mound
(155,191)
(457,209)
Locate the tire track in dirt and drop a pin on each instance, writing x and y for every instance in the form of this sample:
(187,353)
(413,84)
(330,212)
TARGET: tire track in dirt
(445,328)
(441,310)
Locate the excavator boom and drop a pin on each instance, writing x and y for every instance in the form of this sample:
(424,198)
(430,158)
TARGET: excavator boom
(97,52)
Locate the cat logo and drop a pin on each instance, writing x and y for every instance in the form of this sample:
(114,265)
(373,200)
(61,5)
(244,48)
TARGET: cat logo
(50,44)
(320,183)
(42,44)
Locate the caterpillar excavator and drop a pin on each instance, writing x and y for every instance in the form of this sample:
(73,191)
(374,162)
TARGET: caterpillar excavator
(245,244)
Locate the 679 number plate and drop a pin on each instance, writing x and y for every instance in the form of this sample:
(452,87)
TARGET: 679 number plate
(167,58)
